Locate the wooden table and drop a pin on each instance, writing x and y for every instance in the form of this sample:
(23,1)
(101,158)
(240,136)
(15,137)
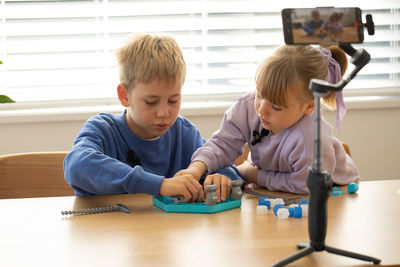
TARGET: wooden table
(33,232)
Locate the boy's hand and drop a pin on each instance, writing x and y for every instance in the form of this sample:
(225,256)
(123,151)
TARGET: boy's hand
(248,171)
(224,185)
(182,185)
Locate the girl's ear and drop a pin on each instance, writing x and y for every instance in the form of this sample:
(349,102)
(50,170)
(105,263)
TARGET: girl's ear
(309,107)
(123,95)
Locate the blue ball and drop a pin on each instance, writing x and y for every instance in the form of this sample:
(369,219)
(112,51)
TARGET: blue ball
(352,188)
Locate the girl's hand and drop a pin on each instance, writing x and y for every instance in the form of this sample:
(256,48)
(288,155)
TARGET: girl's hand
(249,172)
(196,169)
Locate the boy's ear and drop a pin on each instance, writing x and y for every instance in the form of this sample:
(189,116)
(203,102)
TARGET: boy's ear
(123,95)
(309,107)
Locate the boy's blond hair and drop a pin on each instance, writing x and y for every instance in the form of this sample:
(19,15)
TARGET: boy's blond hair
(294,67)
(146,57)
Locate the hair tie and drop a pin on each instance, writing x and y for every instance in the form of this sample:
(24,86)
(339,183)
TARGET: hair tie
(334,76)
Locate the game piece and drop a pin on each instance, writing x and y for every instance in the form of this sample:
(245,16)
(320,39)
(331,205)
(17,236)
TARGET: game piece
(211,198)
(304,210)
(283,213)
(279,201)
(352,188)
(293,205)
(236,192)
(303,201)
(264,201)
(117,207)
(336,191)
(277,207)
(287,200)
(175,200)
(276,201)
(262,210)
(297,212)
(291,211)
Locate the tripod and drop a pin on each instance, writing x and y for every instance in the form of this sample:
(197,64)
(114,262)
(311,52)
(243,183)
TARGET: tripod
(318,180)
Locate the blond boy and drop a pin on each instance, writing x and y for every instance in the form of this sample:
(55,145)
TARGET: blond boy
(136,151)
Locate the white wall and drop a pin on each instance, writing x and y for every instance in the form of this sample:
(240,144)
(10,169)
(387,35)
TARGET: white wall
(372,134)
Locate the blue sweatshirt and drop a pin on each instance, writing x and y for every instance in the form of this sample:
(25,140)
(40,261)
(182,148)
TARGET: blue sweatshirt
(312,25)
(108,158)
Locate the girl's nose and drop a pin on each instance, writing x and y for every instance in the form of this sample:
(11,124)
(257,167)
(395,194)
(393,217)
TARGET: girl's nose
(263,109)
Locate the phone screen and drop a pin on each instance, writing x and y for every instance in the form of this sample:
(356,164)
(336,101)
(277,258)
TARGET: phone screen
(322,25)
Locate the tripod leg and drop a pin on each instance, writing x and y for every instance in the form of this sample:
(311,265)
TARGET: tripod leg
(302,245)
(351,254)
(299,254)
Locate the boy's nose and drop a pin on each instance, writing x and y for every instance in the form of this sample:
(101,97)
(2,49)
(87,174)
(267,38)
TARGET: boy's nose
(163,111)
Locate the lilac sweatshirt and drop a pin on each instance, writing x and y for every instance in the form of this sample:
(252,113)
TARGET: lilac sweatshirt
(283,159)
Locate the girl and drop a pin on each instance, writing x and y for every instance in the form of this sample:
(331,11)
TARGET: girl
(277,122)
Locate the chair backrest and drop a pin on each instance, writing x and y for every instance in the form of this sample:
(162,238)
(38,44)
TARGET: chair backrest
(242,157)
(38,174)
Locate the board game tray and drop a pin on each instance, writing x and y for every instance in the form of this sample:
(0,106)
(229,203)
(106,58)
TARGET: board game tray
(168,204)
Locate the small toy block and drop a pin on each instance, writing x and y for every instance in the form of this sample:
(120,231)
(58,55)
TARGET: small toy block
(277,207)
(304,210)
(297,212)
(261,210)
(211,198)
(236,192)
(264,201)
(336,191)
(283,213)
(291,211)
(304,201)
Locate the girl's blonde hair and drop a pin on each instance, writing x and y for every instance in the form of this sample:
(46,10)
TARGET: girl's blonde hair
(145,58)
(294,67)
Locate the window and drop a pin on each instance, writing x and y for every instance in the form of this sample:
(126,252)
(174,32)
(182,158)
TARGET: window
(57,50)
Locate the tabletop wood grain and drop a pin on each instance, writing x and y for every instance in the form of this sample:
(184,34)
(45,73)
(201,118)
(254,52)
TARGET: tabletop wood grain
(33,232)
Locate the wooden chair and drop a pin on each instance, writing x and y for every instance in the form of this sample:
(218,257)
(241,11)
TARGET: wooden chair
(242,157)
(38,174)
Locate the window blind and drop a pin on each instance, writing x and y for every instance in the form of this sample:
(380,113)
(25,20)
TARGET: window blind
(57,50)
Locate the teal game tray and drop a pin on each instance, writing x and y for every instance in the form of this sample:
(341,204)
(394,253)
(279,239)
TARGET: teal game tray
(169,204)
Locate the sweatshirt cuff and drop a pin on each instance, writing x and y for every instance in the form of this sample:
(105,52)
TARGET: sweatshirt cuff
(145,182)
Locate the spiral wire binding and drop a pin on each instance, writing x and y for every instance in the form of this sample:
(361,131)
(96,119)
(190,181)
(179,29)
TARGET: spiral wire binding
(287,200)
(117,207)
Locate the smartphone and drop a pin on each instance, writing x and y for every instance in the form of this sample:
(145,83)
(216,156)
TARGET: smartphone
(322,25)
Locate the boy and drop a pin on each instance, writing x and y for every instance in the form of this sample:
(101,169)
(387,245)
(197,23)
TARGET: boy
(136,151)
(315,26)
